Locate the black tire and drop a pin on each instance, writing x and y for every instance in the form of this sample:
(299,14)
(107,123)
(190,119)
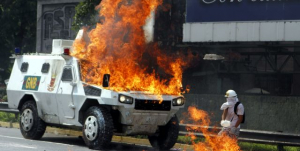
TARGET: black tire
(97,128)
(31,125)
(166,136)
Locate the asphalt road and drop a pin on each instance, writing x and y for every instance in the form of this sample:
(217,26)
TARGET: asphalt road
(11,139)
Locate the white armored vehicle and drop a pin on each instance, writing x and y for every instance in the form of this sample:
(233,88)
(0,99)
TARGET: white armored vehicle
(48,91)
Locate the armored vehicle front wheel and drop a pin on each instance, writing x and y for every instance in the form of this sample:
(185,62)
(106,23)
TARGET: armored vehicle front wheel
(97,127)
(166,136)
(31,125)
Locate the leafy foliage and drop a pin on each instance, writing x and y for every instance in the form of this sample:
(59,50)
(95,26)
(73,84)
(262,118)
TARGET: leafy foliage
(86,14)
(4,98)
(17,29)
(8,117)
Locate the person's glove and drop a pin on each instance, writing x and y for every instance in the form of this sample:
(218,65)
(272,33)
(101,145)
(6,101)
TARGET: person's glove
(232,130)
(225,123)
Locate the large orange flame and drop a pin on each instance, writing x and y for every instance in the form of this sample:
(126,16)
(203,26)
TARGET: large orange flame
(212,140)
(117,47)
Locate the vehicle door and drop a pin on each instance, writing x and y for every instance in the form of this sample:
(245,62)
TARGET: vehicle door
(65,91)
(48,88)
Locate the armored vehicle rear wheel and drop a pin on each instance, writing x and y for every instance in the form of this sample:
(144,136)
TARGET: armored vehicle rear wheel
(97,128)
(166,136)
(31,125)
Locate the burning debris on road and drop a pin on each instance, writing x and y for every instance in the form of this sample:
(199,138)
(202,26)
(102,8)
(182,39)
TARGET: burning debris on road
(213,141)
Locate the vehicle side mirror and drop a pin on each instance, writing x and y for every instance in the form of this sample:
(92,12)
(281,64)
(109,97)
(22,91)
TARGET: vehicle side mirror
(105,82)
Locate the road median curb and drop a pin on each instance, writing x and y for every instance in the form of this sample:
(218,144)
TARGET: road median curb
(117,139)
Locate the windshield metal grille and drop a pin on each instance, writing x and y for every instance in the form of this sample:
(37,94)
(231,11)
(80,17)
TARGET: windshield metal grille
(88,90)
(154,105)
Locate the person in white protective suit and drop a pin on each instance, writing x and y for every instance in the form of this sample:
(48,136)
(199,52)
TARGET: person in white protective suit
(230,120)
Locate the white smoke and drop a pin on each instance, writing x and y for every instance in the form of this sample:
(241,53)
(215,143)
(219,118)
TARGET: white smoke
(149,27)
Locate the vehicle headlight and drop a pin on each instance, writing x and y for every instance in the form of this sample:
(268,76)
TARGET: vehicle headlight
(178,101)
(122,98)
(125,99)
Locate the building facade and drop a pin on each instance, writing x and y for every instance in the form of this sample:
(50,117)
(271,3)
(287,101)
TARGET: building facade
(54,21)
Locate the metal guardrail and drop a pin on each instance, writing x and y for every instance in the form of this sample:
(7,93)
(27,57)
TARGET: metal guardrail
(254,136)
(4,108)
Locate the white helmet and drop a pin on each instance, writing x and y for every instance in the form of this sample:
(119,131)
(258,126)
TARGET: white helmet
(230,93)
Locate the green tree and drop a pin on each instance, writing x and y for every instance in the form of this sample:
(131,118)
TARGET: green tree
(8,117)
(17,29)
(86,14)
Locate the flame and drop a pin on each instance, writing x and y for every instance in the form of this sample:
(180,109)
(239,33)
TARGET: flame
(117,47)
(213,141)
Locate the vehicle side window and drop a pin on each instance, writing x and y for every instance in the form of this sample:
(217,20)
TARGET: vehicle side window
(45,68)
(67,75)
(24,67)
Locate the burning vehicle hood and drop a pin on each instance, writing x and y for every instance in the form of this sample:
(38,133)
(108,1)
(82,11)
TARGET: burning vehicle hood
(143,95)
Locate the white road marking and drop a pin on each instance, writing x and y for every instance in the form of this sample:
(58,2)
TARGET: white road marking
(32,140)
(10,137)
(17,145)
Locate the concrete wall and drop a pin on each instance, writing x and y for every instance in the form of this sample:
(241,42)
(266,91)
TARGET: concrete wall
(54,20)
(241,31)
(269,113)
